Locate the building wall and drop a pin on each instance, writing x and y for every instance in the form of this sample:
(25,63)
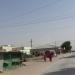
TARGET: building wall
(26,50)
(7,48)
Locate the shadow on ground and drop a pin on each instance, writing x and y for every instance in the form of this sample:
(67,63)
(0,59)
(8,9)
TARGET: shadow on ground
(66,71)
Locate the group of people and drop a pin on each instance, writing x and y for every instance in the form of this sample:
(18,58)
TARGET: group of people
(48,55)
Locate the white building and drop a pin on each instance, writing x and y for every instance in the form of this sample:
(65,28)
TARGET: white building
(6,48)
(26,50)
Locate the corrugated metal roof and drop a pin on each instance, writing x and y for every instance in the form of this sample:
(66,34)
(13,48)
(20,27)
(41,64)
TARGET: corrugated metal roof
(45,46)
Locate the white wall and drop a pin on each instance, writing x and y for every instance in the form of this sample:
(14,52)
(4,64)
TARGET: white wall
(7,48)
(26,50)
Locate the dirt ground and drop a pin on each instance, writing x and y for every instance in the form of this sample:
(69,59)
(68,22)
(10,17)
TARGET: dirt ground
(32,67)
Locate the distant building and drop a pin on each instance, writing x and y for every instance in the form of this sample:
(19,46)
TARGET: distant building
(42,49)
(26,50)
(5,48)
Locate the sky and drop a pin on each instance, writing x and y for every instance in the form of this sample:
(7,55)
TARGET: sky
(43,21)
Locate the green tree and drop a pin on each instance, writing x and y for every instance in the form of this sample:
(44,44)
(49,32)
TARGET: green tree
(66,46)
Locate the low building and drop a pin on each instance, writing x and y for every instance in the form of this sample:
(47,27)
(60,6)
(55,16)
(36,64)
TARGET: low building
(26,50)
(42,49)
(5,48)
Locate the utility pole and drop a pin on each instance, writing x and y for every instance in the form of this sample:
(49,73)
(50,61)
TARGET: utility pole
(31,43)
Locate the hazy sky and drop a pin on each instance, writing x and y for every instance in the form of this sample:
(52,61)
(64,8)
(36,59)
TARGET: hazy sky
(42,20)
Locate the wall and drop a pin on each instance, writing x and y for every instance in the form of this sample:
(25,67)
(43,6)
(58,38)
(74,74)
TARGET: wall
(7,48)
(26,50)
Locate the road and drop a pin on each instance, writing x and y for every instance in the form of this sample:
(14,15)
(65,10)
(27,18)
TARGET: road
(64,66)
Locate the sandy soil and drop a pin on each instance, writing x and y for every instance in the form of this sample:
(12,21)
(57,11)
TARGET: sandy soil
(34,67)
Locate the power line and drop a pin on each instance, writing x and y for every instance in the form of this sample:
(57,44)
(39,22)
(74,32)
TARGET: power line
(53,44)
(36,9)
(56,19)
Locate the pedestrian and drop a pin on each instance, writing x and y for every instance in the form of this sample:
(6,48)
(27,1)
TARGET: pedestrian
(47,55)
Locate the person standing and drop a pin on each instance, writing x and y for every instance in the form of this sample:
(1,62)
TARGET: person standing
(48,55)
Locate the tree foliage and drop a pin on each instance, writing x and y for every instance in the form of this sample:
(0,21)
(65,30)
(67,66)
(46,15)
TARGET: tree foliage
(66,46)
